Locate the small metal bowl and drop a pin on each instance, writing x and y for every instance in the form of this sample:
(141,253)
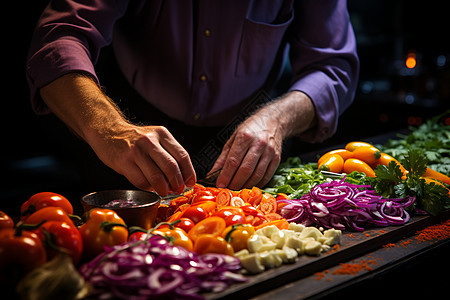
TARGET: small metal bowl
(142,213)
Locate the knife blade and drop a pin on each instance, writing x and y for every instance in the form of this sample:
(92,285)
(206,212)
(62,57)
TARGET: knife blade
(210,179)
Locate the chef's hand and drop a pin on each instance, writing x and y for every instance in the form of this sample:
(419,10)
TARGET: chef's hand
(149,157)
(252,154)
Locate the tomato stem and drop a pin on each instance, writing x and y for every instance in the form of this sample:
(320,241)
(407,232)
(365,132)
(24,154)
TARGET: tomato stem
(109,226)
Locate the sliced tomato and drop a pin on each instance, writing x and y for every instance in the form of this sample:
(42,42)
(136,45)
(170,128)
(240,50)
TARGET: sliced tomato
(223,198)
(212,225)
(268,204)
(237,201)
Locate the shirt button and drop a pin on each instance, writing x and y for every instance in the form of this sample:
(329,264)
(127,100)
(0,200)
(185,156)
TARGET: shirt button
(207,32)
(196,117)
(203,77)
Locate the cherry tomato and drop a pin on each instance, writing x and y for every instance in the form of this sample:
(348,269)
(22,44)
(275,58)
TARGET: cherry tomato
(203,196)
(186,224)
(195,213)
(234,219)
(229,211)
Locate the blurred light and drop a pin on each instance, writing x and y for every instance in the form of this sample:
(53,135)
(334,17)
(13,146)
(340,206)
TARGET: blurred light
(441,60)
(411,60)
(409,99)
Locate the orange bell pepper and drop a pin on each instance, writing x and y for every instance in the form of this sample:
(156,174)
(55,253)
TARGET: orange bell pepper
(103,228)
(208,243)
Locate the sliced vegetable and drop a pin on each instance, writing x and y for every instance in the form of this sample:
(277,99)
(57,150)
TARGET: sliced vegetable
(156,269)
(211,225)
(341,205)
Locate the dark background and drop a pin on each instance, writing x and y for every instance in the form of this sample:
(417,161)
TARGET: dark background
(390,96)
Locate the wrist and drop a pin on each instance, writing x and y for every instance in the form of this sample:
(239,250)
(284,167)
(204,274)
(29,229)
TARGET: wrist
(294,113)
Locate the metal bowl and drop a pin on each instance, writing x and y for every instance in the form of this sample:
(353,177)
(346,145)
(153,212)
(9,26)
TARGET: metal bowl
(141,213)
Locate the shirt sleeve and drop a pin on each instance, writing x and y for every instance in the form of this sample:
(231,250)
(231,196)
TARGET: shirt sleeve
(68,38)
(324,61)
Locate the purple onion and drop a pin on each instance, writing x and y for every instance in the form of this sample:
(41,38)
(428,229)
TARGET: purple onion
(341,205)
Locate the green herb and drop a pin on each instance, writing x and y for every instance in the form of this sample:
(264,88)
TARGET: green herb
(390,182)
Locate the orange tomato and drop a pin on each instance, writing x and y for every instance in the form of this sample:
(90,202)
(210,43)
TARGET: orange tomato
(353,164)
(367,154)
(332,163)
(357,144)
(212,225)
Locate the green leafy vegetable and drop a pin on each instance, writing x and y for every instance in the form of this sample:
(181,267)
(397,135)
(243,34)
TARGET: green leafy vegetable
(391,183)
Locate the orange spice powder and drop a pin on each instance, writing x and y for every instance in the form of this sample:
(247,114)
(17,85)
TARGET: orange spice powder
(439,231)
(354,268)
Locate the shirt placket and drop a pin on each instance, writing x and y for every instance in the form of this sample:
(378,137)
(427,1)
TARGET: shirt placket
(203,63)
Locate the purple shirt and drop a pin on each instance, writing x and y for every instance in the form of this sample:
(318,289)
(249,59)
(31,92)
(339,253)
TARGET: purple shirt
(200,61)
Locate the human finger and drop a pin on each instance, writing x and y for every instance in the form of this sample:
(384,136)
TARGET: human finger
(182,158)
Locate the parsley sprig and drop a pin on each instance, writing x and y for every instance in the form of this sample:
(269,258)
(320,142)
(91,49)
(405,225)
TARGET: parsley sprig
(390,182)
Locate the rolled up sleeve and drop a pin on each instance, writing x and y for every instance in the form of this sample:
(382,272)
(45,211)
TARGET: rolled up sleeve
(68,38)
(324,62)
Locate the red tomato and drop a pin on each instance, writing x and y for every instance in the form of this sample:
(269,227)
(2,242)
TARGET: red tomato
(235,219)
(229,211)
(61,235)
(5,221)
(195,213)
(186,224)
(45,199)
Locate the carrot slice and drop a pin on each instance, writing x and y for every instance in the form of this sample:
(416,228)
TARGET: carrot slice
(273,217)
(280,224)
(174,217)
(268,204)
(237,201)
(223,198)
(212,225)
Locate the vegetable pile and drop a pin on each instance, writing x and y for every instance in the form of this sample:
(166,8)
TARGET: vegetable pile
(152,268)
(207,238)
(342,205)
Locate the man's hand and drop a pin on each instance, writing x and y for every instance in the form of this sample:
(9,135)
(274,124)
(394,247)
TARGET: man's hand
(253,153)
(148,156)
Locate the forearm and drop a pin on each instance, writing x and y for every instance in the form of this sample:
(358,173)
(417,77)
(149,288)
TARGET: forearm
(79,102)
(294,113)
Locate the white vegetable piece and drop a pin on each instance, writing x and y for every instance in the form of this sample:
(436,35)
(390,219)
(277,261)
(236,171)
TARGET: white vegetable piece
(252,263)
(296,227)
(311,232)
(270,259)
(313,248)
(332,237)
